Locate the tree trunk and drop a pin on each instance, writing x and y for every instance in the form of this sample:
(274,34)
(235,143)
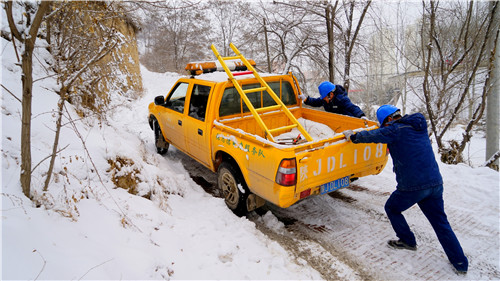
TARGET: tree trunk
(62,99)
(330,17)
(351,41)
(27,81)
(347,47)
(426,59)
(267,48)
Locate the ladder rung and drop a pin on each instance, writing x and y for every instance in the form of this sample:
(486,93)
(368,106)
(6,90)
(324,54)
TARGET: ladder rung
(231,58)
(273,131)
(254,90)
(268,108)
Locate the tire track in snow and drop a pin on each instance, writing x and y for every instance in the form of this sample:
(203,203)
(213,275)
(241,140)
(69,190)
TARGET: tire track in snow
(344,235)
(305,249)
(358,233)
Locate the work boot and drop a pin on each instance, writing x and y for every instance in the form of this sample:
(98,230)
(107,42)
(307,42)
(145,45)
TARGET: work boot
(398,244)
(460,268)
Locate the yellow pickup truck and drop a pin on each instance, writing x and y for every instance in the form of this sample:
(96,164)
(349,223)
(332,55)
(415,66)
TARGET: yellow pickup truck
(204,116)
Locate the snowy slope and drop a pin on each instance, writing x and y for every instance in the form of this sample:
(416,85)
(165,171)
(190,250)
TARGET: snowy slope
(85,228)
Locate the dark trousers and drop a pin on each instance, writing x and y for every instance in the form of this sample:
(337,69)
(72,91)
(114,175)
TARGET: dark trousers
(431,203)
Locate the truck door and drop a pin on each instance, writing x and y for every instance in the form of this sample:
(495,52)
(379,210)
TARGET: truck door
(195,127)
(173,116)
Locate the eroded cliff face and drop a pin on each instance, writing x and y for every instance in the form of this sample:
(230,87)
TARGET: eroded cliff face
(83,30)
(130,51)
(125,57)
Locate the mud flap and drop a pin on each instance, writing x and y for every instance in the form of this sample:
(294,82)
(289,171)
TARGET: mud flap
(162,143)
(254,202)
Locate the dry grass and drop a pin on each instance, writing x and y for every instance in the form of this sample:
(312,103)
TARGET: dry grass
(123,174)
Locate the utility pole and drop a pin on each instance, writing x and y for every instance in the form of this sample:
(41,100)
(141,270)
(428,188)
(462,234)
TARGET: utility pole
(493,102)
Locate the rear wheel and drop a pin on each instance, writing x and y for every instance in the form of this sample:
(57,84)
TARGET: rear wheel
(160,142)
(233,187)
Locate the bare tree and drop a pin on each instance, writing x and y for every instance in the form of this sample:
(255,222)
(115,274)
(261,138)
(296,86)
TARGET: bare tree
(350,35)
(229,23)
(342,34)
(26,33)
(451,37)
(291,34)
(321,14)
(177,33)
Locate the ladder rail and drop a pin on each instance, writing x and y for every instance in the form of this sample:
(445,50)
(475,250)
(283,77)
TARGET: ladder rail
(264,87)
(243,96)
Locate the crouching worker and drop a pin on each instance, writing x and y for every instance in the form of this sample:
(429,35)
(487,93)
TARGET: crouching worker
(418,180)
(334,99)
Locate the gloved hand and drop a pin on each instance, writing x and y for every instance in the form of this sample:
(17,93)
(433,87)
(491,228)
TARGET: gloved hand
(348,134)
(303,97)
(364,118)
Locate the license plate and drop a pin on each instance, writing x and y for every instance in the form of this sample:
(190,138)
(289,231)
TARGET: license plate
(334,185)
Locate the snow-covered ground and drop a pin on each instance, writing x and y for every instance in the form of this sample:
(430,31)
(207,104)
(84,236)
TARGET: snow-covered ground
(85,228)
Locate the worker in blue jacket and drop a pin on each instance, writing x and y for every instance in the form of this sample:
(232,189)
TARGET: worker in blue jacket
(334,99)
(418,180)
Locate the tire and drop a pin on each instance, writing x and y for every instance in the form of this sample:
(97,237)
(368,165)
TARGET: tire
(160,143)
(231,183)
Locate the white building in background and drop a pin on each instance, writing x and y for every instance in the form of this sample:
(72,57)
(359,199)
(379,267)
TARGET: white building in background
(391,60)
(382,64)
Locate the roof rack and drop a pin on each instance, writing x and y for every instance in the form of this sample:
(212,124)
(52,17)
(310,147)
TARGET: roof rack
(197,68)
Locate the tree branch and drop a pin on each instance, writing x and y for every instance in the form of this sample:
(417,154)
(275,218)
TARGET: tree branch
(48,158)
(492,159)
(10,20)
(11,93)
(37,21)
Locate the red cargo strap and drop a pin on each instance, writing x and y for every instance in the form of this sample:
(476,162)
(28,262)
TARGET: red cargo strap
(242,73)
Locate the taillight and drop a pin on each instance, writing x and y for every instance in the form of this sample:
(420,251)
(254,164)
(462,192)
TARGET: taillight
(287,172)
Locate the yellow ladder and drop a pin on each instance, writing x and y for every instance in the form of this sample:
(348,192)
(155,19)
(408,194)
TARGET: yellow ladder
(263,87)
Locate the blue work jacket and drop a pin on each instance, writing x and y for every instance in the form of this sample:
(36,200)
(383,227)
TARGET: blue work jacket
(340,104)
(408,141)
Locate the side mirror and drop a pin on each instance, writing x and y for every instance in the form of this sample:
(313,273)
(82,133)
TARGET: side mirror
(160,100)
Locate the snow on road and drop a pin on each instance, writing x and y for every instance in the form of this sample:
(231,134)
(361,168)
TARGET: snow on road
(344,235)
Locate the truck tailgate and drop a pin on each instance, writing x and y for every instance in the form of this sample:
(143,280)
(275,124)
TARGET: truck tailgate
(337,160)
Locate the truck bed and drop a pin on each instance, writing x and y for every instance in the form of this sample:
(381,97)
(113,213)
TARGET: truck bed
(319,162)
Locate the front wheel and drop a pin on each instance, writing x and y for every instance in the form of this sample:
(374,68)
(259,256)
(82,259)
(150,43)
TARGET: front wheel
(233,187)
(160,142)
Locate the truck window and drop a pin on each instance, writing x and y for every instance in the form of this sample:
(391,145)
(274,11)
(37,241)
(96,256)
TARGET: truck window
(287,94)
(231,101)
(178,97)
(199,100)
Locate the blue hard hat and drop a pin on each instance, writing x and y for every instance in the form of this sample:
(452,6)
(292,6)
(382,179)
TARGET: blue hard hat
(384,111)
(325,88)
